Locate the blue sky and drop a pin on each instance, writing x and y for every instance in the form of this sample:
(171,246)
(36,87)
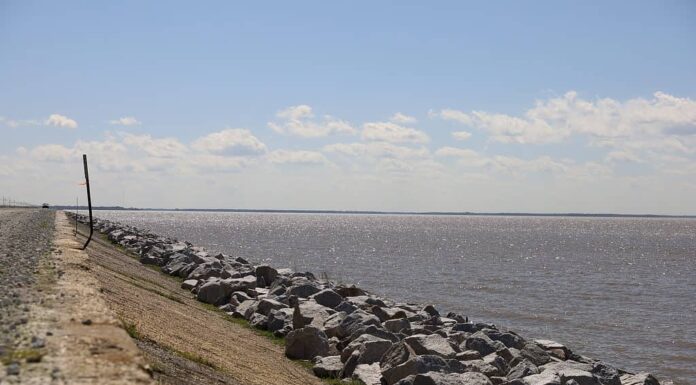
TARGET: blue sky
(502,106)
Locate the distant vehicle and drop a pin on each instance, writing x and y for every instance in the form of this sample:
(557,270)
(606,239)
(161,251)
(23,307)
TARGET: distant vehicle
(44,205)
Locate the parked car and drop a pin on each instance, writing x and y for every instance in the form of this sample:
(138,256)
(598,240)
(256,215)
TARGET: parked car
(44,205)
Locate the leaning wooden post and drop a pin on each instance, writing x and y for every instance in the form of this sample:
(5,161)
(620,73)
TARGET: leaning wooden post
(89,202)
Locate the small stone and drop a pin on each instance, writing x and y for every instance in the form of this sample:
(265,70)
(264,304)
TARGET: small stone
(13,369)
(37,343)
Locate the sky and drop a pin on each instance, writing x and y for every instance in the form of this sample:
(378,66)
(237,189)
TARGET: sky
(489,106)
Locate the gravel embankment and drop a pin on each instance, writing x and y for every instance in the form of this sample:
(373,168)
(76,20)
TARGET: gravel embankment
(25,235)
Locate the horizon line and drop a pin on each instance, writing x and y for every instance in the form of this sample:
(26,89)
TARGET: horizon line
(378,212)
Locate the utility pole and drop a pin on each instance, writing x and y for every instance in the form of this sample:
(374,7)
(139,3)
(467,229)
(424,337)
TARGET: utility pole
(89,202)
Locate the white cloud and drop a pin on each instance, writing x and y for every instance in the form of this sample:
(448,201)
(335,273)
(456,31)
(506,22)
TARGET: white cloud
(301,111)
(409,169)
(622,156)
(450,114)
(299,121)
(392,132)
(296,157)
(60,121)
(376,150)
(52,153)
(231,141)
(400,118)
(461,135)
(457,152)
(156,147)
(514,165)
(14,123)
(212,162)
(125,121)
(518,167)
(558,118)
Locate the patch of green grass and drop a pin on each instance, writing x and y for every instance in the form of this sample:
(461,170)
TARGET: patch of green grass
(307,364)
(156,368)
(30,355)
(196,358)
(338,381)
(280,341)
(155,268)
(169,295)
(132,330)
(173,298)
(331,381)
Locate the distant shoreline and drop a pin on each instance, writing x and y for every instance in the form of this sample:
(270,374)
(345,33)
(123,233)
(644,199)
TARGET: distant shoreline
(368,212)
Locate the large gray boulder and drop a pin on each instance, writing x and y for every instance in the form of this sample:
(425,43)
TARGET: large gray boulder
(350,365)
(206,270)
(303,290)
(554,348)
(430,344)
(365,339)
(558,366)
(280,319)
(266,305)
(372,351)
(356,320)
(176,264)
(498,362)
(265,274)
(368,374)
(313,314)
(639,379)
(481,343)
(346,307)
(151,259)
(306,343)
(439,378)
(189,284)
(328,298)
(509,339)
(328,367)
(259,321)
(480,366)
(388,313)
(544,378)
(240,284)
(214,292)
(397,325)
(412,366)
(349,291)
(332,325)
(581,377)
(606,374)
(535,354)
(522,369)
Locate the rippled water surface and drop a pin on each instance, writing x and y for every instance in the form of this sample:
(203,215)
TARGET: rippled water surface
(618,289)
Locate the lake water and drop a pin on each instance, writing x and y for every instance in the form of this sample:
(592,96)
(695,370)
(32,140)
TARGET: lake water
(618,289)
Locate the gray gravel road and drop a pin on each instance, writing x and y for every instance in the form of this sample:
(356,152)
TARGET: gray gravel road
(25,235)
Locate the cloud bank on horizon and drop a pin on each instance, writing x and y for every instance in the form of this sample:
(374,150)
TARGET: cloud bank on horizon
(646,144)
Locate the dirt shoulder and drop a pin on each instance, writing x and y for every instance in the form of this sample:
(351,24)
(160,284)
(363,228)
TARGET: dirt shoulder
(75,338)
(184,340)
